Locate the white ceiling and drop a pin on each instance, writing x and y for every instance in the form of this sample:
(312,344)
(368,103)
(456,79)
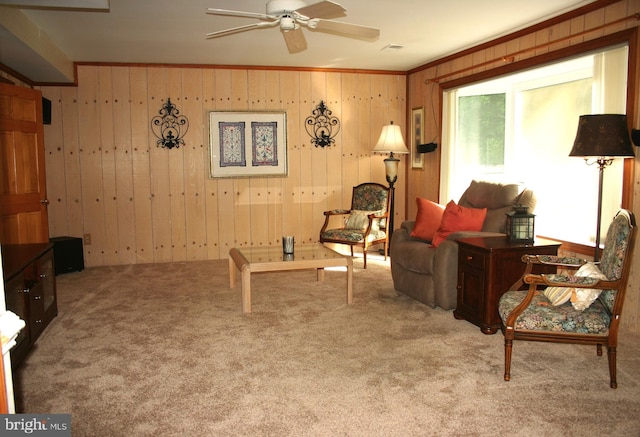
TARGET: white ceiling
(173,32)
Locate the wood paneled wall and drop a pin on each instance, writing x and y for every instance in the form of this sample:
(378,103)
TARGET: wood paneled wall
(141,203)
(424,90)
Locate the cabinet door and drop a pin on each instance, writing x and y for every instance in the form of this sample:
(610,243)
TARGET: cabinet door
(40,277)
(47,278)
(16,297)
(471,284)
(33,284)
(36,310)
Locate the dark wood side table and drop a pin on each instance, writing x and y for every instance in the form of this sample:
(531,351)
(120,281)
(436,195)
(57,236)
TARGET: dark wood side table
(487,267)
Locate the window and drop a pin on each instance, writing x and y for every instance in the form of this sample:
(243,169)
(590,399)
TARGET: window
(521,128)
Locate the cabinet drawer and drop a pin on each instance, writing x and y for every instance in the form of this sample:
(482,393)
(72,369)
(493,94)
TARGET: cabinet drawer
(471,258)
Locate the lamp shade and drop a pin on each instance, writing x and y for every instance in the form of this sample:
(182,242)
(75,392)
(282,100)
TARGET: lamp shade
(602,135)
(390,140)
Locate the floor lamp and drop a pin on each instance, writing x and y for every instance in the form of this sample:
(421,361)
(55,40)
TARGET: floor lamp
(601,138)
(391,142)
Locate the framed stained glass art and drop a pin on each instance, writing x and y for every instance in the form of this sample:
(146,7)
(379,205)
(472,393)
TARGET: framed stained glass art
(247,144)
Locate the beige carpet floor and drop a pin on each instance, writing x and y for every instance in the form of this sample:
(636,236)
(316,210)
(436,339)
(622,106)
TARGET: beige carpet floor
(164,350)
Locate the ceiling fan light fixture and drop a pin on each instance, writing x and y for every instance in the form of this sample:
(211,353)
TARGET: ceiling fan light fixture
(287,23)
(278,7)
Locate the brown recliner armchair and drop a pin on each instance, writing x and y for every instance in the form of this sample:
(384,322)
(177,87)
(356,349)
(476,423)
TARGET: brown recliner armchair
(430,274)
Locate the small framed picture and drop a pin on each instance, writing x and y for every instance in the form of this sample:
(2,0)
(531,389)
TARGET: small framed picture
(417,137)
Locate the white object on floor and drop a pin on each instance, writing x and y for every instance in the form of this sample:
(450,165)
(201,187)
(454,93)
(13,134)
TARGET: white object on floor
(10,326)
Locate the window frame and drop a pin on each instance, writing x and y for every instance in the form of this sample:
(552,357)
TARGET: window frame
(629,37)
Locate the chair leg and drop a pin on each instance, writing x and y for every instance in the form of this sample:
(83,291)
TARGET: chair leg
(599,349)
(508,346)
(364,255)
(611,355)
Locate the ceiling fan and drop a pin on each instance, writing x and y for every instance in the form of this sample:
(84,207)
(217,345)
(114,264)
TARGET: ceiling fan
(291,16)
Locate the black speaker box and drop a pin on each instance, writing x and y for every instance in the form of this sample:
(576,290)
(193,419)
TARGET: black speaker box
(46,111)
(427,148)
(67,254)
(635,136)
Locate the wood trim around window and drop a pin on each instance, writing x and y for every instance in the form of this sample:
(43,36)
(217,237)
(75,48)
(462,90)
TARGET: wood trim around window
(629,37)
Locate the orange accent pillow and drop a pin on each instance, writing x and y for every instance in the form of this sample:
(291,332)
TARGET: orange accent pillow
(428,219)
(458,218)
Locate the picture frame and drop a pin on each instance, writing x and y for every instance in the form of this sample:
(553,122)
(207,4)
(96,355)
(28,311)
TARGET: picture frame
(248,144)
(417,137)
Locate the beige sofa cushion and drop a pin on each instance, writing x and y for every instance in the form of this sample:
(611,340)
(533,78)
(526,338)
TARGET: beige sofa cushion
(497,198)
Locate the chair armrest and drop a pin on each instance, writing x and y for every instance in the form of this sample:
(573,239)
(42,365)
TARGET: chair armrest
(328,215)
(458,235)
(371,218)
(407,226)
(400,235)
(555,280)
(564,262)
(337,212)
(560,261)
(379,216)
(510,322)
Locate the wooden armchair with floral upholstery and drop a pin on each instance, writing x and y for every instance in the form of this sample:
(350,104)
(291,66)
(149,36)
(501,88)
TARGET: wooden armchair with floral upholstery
(582,308)
(365,223)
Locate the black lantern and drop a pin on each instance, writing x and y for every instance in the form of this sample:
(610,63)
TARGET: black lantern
(520,225)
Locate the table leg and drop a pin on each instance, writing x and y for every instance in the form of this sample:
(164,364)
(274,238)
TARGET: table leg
(232,273)
(246,290)
(320,274)
(349,280)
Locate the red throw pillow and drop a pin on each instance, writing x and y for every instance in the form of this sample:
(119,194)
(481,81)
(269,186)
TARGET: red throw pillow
(428,219)
(458,218)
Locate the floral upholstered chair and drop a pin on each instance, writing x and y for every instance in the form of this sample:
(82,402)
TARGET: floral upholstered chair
(364,223)
(583,308)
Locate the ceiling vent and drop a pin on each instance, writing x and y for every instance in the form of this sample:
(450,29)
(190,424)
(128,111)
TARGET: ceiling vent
(393,47)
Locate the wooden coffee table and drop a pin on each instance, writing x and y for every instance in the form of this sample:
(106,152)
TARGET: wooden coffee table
(271,259)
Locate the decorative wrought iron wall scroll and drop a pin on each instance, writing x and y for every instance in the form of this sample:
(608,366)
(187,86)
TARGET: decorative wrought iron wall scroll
(169,127)
(322,126)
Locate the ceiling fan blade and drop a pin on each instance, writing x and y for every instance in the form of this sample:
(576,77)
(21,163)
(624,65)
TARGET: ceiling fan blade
(295,40)
(240,29)
(215,11)
(353,30)
(323,9)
